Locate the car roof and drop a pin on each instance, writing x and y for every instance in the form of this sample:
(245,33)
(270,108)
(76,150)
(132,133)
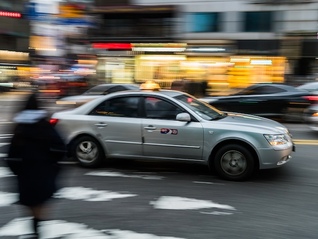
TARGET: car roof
(282,86)
(166,93)
(169,93)
(110,85)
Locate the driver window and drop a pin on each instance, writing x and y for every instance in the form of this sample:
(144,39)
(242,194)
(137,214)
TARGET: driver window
(160,109)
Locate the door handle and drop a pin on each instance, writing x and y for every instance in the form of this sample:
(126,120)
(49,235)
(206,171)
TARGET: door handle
(150,127)
(101,125)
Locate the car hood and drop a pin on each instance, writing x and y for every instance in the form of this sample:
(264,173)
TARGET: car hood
(252,122)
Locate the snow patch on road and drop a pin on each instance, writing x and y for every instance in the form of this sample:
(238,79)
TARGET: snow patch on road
(5,172)
(116,174)
(181,203)
(68,230)
(88,194)
(71,193)
(3,155)
(6,199)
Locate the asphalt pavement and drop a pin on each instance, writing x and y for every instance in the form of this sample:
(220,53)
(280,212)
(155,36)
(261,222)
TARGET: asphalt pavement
(134,199)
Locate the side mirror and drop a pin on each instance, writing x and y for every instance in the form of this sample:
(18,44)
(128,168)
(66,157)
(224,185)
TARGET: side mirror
(183,117)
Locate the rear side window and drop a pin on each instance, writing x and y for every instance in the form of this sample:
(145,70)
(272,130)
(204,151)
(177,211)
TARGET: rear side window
(118,107)
(270,90)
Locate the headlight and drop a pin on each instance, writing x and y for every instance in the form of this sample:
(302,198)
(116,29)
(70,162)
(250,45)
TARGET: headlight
(276,139)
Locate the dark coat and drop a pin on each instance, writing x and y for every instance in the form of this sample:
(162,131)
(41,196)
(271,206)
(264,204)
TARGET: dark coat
(33,156)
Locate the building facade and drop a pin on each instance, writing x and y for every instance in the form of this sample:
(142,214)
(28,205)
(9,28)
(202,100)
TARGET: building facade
(14,40)
(252,27)
(228,44)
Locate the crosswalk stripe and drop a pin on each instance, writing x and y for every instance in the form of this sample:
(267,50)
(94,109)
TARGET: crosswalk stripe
(70,230)
(4,144)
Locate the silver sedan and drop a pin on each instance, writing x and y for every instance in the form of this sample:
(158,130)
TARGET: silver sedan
(172,125)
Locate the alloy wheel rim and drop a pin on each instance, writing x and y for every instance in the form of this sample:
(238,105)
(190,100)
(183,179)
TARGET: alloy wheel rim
(233,163)
(87,152)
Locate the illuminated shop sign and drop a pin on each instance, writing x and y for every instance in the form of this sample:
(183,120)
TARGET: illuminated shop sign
(10,14)
(14,55)
(159,47)
(133,9)
(112,46)
(71,11)
(145,47)
(206,49)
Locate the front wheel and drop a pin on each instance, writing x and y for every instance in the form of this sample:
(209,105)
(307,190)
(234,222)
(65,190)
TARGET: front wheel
(87,151)
(234,162)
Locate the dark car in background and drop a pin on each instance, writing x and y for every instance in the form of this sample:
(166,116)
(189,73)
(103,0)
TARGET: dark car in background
(276,101)
(311,113)
(309,86)
(94,92)
(51,87)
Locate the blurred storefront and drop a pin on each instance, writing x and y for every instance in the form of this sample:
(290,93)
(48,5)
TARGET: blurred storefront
(122,34)
(133,44)
(14,39)
(221,65)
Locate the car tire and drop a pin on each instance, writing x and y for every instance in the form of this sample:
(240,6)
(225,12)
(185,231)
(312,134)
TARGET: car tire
(234,162)
(88,152)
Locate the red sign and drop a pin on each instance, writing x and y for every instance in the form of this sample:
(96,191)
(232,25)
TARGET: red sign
(10,14)
(112,46)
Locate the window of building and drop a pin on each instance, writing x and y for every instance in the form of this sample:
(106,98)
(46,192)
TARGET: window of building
(203,22)
(258,21)
(134,25)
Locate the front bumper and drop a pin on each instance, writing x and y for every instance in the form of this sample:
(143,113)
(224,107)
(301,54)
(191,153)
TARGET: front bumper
(271,158)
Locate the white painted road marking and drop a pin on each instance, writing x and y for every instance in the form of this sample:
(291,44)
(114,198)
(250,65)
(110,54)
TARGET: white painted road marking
(181,203)
(88,194)
(201,182)
(7,199)
(116,174)
(5,172)
(71,193)
(3,144)
(68,230)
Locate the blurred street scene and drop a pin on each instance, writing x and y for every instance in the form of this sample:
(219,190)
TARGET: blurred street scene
(73,51)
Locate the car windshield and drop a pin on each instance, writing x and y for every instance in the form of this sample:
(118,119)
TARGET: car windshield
(203,110)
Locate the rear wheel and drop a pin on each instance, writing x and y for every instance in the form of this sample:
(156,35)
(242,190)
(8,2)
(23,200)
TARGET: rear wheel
(234,162)
(88,152)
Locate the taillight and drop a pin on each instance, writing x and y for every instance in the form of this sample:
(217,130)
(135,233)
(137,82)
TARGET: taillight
(53,121)
(311,97)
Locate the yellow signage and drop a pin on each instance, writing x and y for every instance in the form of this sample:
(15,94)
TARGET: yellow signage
(70,11)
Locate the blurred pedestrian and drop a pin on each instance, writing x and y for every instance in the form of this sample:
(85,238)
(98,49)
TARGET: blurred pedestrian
(33,156)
